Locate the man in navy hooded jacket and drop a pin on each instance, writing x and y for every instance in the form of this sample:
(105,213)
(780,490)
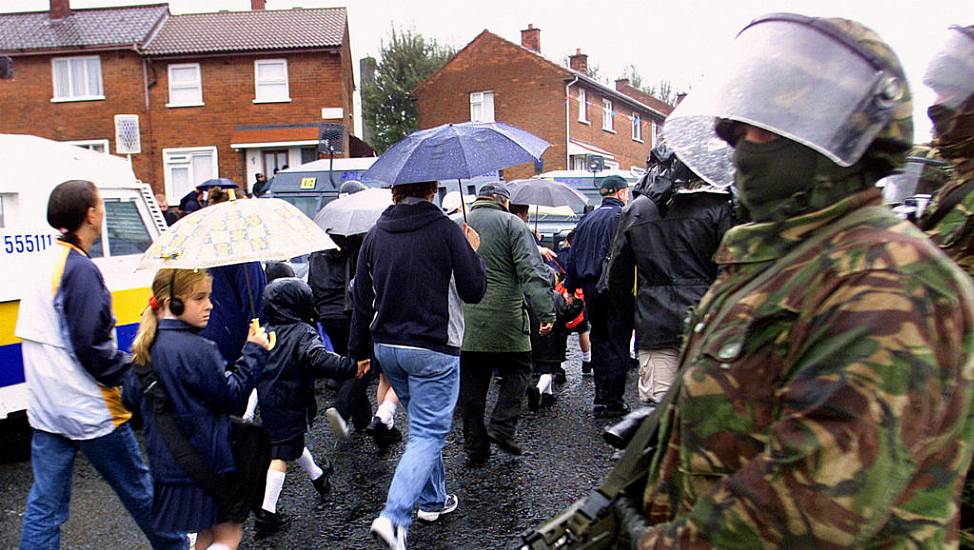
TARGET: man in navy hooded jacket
(414,268)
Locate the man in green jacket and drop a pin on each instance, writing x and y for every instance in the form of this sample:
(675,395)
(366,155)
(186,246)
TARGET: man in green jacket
(498,334)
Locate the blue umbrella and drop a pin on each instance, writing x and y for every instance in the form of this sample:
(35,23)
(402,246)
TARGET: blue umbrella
(223,183)
(456,151)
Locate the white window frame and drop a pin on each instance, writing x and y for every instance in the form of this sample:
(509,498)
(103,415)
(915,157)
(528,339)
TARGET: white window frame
(198,84)
(583,106)
(257,81)
(607,115)
(637,128)
(611,164)
(88,143)
(485,100)
(166,176)
(89,97)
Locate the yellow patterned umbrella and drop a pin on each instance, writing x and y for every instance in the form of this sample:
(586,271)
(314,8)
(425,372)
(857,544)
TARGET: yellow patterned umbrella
(234,232)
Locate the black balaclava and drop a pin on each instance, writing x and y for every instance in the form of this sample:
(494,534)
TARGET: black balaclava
(954,129)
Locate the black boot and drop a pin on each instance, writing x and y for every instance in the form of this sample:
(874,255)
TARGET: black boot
(266,523)
(322,483)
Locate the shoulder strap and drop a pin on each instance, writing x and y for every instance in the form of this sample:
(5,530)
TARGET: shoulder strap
(638,454)
(179,446)
(951,200)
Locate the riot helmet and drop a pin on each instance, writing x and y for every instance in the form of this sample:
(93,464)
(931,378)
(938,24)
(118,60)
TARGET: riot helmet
(950,73)
(831,85)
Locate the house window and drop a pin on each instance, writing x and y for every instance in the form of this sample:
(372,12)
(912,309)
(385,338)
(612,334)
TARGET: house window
(582,106)
(611,164)
(309,154)
(96,145)
(185,85)
(637,128)
(482,107)
(270,81)
(607,115)
(185,168)
(77,78)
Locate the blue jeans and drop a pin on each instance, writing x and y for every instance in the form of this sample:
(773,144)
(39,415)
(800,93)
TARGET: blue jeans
(427,383)
(116,457)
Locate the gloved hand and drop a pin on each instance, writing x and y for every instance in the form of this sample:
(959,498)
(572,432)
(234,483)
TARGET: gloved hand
(632,524)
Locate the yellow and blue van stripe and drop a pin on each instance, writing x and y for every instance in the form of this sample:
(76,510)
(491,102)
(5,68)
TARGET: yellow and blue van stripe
(127,305)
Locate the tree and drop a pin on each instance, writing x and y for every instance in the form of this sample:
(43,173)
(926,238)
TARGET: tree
(406,60)
(632,75)
(663,91)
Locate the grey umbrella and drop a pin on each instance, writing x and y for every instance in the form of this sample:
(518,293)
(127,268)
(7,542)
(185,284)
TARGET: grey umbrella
(541,192)
(355,213)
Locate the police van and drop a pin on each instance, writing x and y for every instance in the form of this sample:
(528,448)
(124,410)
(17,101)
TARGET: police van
(554,224)
(30,167)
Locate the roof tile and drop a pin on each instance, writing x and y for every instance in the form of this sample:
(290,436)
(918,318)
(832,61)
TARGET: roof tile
(81,28)
(250,30)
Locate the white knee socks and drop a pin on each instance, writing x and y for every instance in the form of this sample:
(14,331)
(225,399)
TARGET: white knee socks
(251,406)
(272,490)
(387,413)
(587,356)
(544,383)
(307,463)
(218,546)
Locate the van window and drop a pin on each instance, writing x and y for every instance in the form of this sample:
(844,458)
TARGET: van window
(126,229)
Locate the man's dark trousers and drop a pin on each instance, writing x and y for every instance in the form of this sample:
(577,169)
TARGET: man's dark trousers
(476,370)
(610,335)
(352,401)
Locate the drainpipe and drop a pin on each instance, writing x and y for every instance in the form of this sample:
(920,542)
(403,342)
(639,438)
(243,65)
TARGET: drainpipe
(568,132)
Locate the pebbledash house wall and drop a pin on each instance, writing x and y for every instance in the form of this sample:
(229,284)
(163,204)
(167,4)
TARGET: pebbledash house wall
(315,80)
(135,84)
(529,92)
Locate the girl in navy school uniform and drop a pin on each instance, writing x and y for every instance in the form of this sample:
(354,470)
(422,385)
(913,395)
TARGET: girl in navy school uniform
(201,395)
(286,390)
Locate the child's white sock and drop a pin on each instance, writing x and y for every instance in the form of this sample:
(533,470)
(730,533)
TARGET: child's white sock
(387,413)
(587,356)
(307,463)
(544,383)
(272,490)
(248,415)
(218,546)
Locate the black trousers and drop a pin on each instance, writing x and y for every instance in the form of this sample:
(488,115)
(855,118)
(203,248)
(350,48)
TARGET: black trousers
(476,370)
(352,400)
(610,335)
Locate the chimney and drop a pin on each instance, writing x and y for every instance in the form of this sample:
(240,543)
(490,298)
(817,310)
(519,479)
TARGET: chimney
(257,4)
(680,96)
(60,9)
(579,61)
(621,83)
(531,38)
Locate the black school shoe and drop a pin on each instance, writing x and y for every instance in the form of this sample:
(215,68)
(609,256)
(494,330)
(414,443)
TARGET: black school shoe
(614,411)
(322,483)
(506,444)
(384,437)
(547,400)
(534,398)
(560,375)
(586,368)
(267,523)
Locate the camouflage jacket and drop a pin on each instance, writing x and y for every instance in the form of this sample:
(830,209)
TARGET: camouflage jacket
(832,406)
(955,231)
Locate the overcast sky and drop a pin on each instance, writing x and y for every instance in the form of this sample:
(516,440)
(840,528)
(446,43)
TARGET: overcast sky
(672,40)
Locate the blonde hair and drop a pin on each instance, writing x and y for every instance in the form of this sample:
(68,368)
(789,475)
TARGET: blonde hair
(168,283)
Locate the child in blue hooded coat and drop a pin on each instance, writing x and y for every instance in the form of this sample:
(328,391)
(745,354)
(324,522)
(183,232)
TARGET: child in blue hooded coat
(286,390)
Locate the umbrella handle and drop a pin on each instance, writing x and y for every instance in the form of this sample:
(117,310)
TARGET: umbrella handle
(271,336)
(463,204)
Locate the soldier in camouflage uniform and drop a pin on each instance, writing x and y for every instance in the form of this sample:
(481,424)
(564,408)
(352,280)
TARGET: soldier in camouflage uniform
(951,76)
(827,376)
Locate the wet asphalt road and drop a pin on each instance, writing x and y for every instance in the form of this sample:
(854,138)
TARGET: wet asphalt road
(564,459)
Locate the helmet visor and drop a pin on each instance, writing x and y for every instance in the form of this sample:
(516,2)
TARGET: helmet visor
(793,80)
(950,73)
(902,185)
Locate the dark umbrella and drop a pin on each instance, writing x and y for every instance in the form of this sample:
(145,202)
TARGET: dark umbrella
(223,183)
(541,192)
(455,151)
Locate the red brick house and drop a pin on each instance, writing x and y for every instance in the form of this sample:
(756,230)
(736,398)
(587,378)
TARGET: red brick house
(494,79)
(228,94)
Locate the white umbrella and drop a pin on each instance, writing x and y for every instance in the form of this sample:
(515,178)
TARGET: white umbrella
(542,192)
(234,232)
(355,213)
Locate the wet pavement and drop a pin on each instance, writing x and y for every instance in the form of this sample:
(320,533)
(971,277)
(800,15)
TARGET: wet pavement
(564,459)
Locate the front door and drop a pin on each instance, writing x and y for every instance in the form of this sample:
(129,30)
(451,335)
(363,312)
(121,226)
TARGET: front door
(274,161)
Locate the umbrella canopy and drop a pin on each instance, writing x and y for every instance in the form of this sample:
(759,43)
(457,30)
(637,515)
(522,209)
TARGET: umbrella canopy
(355,213)
(223,183)
(234,232)
(545,193)
(455,151)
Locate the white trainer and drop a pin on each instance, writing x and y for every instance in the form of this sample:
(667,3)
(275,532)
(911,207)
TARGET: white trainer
(338,425)
(450,505)
(389,536)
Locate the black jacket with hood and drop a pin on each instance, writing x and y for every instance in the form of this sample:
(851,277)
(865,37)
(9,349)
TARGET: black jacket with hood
(414,269)
(286,387)
(329,272)
(672,252)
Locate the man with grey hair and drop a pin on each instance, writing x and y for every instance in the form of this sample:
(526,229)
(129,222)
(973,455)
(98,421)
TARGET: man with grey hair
(498,334)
